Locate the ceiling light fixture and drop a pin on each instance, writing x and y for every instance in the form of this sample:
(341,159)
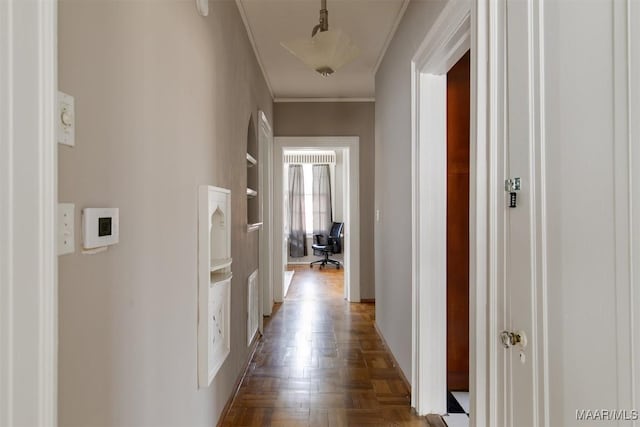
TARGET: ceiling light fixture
(326,50)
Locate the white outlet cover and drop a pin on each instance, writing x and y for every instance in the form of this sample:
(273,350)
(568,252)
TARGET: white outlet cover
(66,235)
(66,120)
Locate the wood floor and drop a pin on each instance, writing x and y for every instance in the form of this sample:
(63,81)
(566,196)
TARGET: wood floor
(321,363)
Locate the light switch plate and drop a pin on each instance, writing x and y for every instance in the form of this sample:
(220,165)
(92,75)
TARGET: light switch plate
(66,120)
(66,236)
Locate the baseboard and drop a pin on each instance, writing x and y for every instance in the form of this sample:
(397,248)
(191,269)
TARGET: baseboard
(395,362)
(368,301)
(236,386)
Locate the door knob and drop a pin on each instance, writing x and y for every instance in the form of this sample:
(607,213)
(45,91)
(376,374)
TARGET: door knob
(513,338)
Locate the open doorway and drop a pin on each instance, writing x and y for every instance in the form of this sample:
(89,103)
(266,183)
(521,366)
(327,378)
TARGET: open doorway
(330,163)
(458,132)
(314,200)
(315,205)
(446,369)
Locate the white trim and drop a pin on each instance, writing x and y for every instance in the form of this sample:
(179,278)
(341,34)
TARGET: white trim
(352,211)
(245,20)
(447,40)
(28,193)
(482,317)
(444,45)
(538,191)
(390,36)
(265,194)
(283,100)
(623,201)
(490,133)
(633,35)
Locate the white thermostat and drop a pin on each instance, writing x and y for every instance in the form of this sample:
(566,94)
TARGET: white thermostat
(99,227)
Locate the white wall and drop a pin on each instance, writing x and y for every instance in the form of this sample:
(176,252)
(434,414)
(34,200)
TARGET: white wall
(163,98)
(393,180)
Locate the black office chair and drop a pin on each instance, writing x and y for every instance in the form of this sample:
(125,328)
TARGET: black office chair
(328,245)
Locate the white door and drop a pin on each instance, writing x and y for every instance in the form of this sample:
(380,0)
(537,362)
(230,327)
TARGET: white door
(517,363)
(265,144)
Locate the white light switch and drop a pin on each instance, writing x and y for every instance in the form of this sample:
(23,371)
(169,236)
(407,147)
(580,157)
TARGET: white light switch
(65,228)
(66,119)
(377,215)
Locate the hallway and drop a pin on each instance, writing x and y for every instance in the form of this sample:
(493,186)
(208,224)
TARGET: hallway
(321,363)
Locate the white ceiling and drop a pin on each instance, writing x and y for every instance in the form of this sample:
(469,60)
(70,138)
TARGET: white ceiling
(369,23)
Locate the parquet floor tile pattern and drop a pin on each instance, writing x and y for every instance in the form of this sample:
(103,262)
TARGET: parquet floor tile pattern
(321,363)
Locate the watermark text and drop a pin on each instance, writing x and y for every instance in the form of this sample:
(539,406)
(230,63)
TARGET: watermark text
(607,414)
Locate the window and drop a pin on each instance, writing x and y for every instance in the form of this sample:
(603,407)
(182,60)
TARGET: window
(307,161)
(308,197)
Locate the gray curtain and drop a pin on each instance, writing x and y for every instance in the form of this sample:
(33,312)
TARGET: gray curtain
(298,232)
(322,215)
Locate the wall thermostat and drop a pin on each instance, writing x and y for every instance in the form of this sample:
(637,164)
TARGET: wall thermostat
(99,227)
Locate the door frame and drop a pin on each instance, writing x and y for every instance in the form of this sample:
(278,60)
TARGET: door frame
(28,205)
(460,26)
(633,88)
(351,146)
(265,194)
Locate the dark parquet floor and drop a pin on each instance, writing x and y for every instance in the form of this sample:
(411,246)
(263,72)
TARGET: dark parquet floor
(321,363)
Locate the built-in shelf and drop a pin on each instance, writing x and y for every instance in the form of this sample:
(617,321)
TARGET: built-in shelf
(253,177)
(251,161)
(254,227)
(221,277)
(214,281)
(219,264)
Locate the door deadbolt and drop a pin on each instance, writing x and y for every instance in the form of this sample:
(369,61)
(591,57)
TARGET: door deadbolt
(512,186)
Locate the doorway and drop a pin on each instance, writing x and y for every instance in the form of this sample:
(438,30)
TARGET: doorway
(447,42)
(458,131)
(347,149)
(314,200)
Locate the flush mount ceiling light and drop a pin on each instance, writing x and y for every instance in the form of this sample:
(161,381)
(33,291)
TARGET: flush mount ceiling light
(326,50)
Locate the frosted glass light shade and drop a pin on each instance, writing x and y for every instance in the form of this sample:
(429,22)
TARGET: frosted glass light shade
(325,52)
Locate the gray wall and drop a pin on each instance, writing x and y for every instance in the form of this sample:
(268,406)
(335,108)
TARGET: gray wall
(393,180)
(341,119)
(163,98)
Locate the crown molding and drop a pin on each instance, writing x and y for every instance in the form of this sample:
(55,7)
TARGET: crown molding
(245,20)
(372,99)
(390,36)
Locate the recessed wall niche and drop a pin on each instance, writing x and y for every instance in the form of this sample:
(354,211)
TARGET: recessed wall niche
(218,236)
(253,200)
(214,281)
